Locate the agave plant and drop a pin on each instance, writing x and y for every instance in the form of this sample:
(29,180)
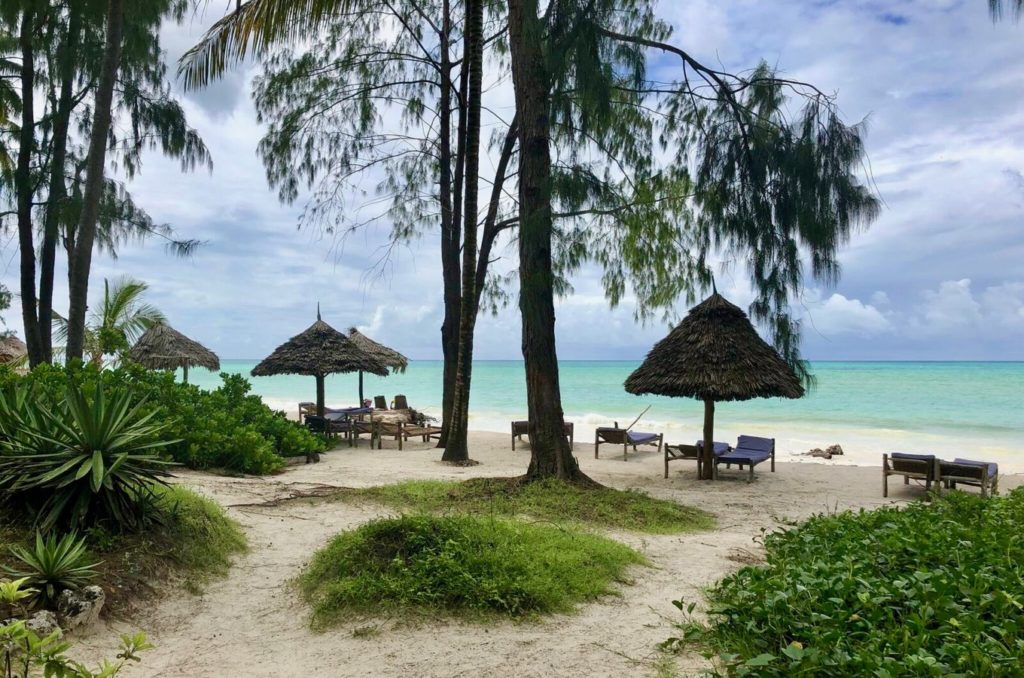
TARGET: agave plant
(54,565)
(83,460)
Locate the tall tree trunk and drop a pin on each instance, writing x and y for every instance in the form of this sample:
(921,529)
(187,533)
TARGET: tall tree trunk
(81,262)
(57,191)
(24,187)
(457,444)
(449,234)
(550,453)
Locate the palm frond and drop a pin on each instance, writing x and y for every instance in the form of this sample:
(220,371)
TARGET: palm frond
(251,30)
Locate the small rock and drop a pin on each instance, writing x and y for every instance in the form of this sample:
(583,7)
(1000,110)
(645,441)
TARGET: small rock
(834,450)
(80,608)
(42,623)
(820,453)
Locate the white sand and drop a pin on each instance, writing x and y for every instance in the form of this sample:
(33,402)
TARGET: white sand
(252,623)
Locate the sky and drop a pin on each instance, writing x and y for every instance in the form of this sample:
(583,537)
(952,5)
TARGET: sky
(938,276)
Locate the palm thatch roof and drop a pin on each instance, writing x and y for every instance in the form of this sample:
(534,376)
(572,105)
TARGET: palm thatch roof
(715,354)
(162,347)
(318,351)
(386,356)
(12,348)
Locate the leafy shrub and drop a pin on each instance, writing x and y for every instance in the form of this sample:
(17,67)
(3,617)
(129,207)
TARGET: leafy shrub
(225,428)
(931,589)
(23,654)
(461,564)
(54,565)
(80,459)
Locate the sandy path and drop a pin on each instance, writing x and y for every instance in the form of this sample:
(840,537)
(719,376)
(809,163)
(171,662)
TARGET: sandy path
(252,624)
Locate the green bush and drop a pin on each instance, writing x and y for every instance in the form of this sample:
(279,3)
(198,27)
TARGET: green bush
(226,428)
(79,459)
(928,590)
(462,564)
(54,565)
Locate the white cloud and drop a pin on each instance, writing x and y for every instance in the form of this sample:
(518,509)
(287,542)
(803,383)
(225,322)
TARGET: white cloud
(838,315)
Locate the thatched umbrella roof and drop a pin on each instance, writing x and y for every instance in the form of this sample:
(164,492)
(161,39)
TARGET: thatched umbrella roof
(715,354)
(386,356)
(318,351)
(12,348)
(162,347)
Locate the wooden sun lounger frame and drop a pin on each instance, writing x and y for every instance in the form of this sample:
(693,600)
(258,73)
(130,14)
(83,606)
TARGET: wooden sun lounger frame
(522,428)
(690,452)
(918,469)
(949,473)
(620,436)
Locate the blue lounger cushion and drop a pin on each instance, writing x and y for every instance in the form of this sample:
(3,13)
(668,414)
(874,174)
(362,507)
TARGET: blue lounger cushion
(914,457)
(755,443)
(636,437)
(740,455)
(993,469)
(718,448)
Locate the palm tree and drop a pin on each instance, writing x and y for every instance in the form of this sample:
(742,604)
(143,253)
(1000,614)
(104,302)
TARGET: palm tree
(118,323)
(998,8)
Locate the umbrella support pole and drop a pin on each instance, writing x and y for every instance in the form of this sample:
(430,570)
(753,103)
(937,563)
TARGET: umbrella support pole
(708,449)
(319,395)
(184,374)
(360,388)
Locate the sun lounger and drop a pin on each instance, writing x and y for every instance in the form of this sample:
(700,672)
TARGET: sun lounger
(981,474)
(626,438)
(401,403)
(380,402)
(422,430)
(522,428)
(749,451)
(916,466)
(674,452)
(389,429)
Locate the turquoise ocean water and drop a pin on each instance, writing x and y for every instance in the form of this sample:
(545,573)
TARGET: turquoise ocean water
(868,407)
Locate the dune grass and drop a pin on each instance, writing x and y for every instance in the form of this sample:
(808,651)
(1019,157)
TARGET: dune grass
(474,566)
(550,500)
(191,541)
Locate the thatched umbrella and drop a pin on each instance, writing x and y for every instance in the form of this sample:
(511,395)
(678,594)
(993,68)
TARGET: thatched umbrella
(162,347)
(388,357)
(715,354)
(318,351)
(12,349)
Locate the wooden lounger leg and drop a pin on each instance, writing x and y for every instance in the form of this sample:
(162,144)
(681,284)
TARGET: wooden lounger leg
(596,443)
(750,475)
(666,463)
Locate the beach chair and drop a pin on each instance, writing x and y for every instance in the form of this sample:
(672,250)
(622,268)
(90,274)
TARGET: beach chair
(389,429)
(749,451)
(422,430)
(400,403)
(916,466)
(522,428)
(980,474)
(674,452)
(626,438)
(380,402)
(306,408)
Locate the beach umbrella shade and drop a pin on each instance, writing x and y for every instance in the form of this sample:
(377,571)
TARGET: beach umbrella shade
(318,351)
(12,349)
(388,357)
(715,355)
(162,347)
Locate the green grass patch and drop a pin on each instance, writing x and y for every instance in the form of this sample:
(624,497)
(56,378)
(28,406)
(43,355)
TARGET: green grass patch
(927,590)
(551,500)
(191,542)
(462,565)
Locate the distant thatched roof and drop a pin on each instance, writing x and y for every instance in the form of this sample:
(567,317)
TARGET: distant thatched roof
(164,348)
(387,356)
(715,353)
(319,350)
(11,348)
